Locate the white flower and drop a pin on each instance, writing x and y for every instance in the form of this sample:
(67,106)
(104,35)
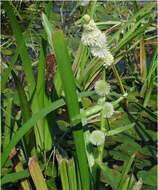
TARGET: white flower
(108,110)
(90,26)
(108,59)
(96,40)
(97,51)
(84,2)
(97,137)
(102,88)
(92,36)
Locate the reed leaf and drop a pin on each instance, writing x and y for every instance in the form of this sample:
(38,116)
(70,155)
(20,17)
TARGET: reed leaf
(125,171)
(28,140)
(7,129)
(27,126)
(64,65)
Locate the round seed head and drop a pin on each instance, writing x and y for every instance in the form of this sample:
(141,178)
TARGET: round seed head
(97,137)
(108,59)
(108,110)
(102,88)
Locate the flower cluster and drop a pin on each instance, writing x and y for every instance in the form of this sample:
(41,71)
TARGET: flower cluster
(96,40)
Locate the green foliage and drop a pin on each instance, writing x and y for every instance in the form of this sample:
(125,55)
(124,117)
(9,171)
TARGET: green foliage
(68,84)
(149,177)
(43,59)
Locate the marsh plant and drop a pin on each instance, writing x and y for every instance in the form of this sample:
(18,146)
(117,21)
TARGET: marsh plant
(71,118)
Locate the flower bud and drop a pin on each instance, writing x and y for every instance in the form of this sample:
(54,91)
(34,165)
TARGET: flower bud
(86,18)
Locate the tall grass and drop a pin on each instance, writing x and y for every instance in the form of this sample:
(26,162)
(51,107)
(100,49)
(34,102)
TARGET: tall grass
(82,166)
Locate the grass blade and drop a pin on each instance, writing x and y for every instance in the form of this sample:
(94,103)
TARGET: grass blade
(125,171)
(62,164)
(24,54)
(13,177)
(120,129)
(68,84)
(40,92)
(110,177)
(30,123)
(27,126)
(28,140)
(7,129)
(48,28)
(15,57)
(72,174)
(28,71)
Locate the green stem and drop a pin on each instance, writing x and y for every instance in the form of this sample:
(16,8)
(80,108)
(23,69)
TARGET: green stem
(148,94)
(103,129)
(120,82)
(92,9)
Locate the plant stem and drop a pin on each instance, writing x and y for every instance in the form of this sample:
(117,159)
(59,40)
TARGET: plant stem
(92,9)
(103,129)
(120,83)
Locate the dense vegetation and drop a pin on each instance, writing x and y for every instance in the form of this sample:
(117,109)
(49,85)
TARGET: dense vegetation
(79,95)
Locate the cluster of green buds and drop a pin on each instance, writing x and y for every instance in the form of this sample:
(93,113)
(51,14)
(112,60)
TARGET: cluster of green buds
(95,39)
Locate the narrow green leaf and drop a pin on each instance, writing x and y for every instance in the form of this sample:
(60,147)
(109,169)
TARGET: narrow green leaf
(62,164)
(139,14)
(26,61)
(27,126)
(13,177)
(48,28)
(125,171)
(110,177)
(28,140)
(131,35)
(147,110)
(63,61)
(24,54)
(72,174)
(119,129)
(15,57)
(40,92)
(23,99)
(7,129)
